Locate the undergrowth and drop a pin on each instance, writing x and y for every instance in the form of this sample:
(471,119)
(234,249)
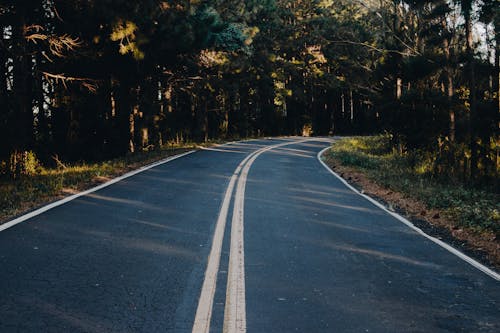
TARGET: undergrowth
(27,191)
(473,207)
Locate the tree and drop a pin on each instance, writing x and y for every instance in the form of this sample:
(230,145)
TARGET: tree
(98,79)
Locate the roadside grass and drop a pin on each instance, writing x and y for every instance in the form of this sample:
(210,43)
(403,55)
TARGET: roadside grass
(48,184)
(477,209)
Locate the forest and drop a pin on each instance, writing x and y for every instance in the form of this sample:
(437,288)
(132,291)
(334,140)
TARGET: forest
(87,80)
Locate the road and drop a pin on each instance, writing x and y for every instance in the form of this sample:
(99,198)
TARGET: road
(254,236)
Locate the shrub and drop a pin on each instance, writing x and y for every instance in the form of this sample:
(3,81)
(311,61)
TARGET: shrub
(24,163)
(423,176)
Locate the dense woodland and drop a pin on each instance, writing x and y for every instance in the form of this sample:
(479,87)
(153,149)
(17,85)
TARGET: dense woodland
(85,80)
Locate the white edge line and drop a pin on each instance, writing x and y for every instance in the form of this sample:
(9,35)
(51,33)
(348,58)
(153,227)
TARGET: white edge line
(57,203)
(439,242)
(43,209)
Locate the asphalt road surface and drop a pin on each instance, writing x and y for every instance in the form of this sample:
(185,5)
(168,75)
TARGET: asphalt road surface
(254,236)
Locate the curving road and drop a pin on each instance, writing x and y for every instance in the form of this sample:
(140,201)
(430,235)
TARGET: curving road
(253,236)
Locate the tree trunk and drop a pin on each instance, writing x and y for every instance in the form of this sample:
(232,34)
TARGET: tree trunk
(4,147)
(472,95)
(123,120)
(496,85)
(343,104)
(496,76)
(42,124)
(451,109)
(22,89)
(399,88)
(351,105)
(450,91)
(205,118)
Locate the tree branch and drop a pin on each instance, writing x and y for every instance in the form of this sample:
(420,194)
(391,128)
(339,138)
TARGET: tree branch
(372,47)
(89,84)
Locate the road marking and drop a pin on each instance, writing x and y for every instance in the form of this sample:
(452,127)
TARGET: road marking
(235,312)
(439,242)
(205,304)
(55,204)
(235,307)
(61,202)
(206,300)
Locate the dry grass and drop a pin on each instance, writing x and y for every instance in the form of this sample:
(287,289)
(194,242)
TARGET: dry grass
(29,192)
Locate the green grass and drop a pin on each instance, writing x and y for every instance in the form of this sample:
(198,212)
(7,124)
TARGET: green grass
(47,184)
(475,208)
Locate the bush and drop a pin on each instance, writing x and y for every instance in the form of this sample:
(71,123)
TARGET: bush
(29,184)
(23,163)
(423,176)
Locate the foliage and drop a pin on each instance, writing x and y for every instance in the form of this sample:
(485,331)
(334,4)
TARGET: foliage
(22,164)
(46,183)
(413,175)
(93,80)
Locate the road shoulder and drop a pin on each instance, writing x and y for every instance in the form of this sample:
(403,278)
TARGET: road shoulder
(484,252)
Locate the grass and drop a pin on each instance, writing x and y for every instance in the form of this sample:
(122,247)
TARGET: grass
(475,208)
(17,196)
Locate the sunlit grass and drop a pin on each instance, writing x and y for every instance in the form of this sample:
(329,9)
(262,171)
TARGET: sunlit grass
(49,183)
(476,208)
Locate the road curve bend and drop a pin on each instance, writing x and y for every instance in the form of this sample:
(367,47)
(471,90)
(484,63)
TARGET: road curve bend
(251,236)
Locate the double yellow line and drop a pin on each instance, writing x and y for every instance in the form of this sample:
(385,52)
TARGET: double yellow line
(235,311)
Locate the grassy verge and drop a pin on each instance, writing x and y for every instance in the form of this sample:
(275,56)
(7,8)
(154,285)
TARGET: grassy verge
(475,209)
(47,185)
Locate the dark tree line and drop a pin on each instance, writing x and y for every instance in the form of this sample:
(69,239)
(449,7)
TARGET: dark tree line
(89,80)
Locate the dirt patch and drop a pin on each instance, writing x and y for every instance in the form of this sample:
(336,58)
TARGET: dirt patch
(483,246)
